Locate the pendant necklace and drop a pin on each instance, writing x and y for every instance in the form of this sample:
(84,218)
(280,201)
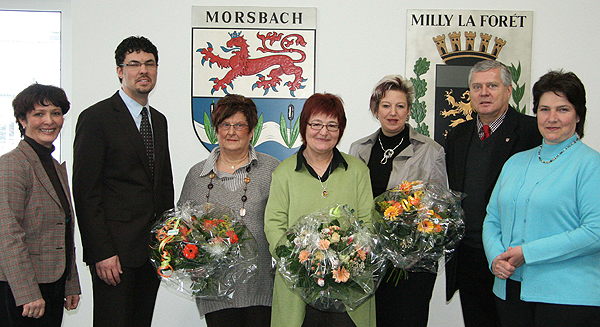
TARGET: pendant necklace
(389,152)
(324,194)
(561,152)
(233,166)
(244,198)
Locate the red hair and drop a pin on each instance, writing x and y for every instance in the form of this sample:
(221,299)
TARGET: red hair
(323,103)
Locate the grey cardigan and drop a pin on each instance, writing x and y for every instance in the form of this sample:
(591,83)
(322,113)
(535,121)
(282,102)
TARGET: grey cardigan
(423,159)
(258,292)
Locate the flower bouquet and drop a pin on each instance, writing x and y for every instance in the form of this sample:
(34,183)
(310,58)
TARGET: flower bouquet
(330,259)
(203,250)
(419,223)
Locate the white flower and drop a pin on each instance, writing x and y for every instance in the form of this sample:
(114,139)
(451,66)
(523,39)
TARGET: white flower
(335,238)
(218,249)
(321,282)
(335,263)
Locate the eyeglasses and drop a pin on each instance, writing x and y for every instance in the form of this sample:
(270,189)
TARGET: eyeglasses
(137,65)
(237,127)
(319,126)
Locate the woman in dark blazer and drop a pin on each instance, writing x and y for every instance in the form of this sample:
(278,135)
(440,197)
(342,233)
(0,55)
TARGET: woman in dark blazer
(38,275)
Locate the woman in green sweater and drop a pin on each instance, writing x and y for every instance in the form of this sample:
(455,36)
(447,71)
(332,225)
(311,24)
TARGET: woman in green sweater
(317,176)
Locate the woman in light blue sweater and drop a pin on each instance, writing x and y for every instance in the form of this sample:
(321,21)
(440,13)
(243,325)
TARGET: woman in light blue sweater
(542,230)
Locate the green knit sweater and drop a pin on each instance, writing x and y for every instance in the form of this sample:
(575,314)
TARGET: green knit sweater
(295,194)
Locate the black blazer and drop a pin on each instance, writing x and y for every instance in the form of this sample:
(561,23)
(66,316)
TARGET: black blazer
(116,199)
(519,133)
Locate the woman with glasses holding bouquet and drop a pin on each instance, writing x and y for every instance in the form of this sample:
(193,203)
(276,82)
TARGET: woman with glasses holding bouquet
(237,176)
(316,177)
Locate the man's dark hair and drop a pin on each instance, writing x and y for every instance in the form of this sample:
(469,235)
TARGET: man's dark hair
(134,44)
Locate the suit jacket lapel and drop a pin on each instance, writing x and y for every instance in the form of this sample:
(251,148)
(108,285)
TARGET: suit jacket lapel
(462,145)
(61,169)
(39,171)
(130,129)
(505,142)
(364,152)
(160,140)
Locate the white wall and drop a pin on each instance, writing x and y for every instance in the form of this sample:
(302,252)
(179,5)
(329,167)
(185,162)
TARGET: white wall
(357,43)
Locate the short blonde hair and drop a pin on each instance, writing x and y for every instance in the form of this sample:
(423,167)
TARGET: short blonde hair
(387,83)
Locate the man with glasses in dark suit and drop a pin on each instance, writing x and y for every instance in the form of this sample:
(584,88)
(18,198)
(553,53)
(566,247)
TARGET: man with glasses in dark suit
(122,181)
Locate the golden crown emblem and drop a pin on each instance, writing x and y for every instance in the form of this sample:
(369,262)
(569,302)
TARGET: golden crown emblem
(457,55)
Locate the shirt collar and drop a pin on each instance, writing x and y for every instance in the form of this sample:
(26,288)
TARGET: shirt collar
(133,106)
(493,125)
(337,160)
(211,161)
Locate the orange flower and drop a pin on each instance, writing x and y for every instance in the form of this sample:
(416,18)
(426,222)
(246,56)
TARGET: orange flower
(190,251)
(341,275)
(303,256)
(362,254)
(209,224)
(426,226)
(233,238)
(437,228)
(391,213)
(323,244)
(405,186)
(414,200)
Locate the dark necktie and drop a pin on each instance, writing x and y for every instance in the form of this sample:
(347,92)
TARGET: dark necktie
(486,132)
(146,132)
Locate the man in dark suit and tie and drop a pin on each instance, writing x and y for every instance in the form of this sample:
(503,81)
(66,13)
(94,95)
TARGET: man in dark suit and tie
(122,181)
(476,150)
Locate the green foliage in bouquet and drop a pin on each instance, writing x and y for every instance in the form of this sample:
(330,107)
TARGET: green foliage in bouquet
(199,248)
(330,259)
(419,223)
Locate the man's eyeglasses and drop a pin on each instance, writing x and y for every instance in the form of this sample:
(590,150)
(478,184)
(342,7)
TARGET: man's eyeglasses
(137,65)
(237,127)
(319,126)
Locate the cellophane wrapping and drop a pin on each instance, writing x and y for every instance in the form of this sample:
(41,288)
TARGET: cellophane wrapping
(330,259)
(203,250)
(419,223)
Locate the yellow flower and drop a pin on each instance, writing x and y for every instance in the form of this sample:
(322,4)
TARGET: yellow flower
(391,213)
(426,226)
(335,238)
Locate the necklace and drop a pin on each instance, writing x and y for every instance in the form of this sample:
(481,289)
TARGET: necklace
(389,152)
(324,194)
(244,197)
(561,152)
(234,165)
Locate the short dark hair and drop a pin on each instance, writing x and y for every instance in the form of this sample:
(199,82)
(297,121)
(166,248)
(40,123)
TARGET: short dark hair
(568,84)
(230,105)
(323,103)
(134,44)
(391,83)
(44,95)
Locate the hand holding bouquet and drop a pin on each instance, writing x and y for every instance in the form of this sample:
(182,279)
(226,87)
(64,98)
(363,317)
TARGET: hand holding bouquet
(203,250)
(330,259)
(419,223)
